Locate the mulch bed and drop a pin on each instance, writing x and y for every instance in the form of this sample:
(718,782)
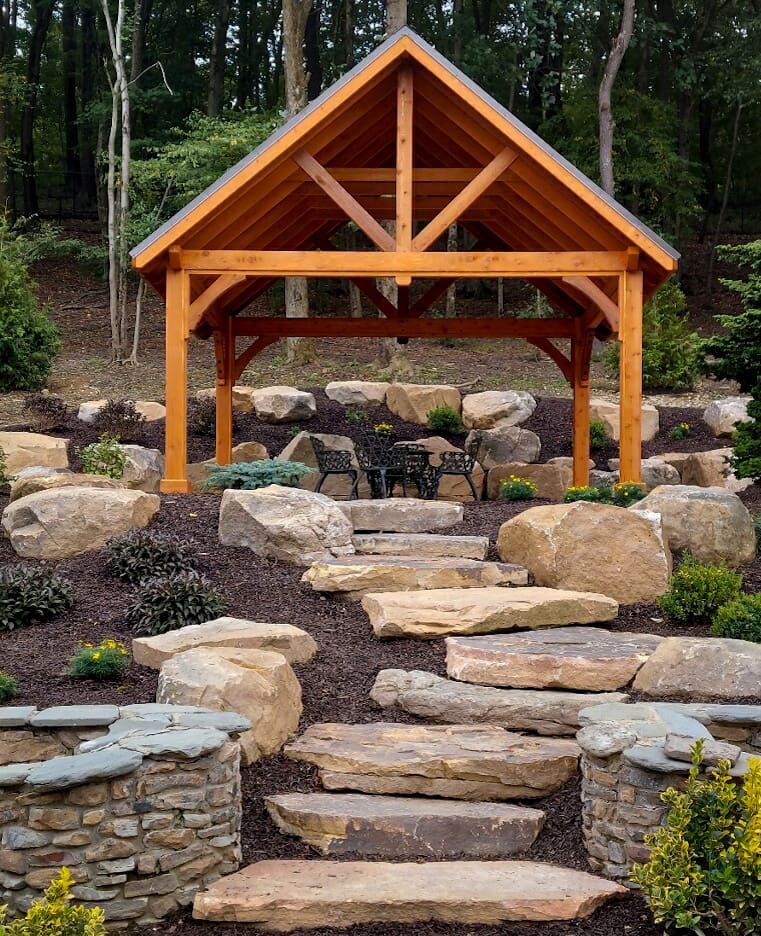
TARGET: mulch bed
(337,683)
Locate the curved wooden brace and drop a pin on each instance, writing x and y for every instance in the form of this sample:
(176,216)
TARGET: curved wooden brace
(545,345)
(601,300)
(256,347)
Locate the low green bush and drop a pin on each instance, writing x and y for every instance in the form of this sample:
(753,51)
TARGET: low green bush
(598,435)
(248,476)
(517,489)
(8,686)
(104,457)
(165,604)
(682,431)
(120,419)
(705,863)
(746,454)
(107,660)
(625,493)
(356,416)
(56,915)
(30,595)
(593,493)
(142,554)
(444,418)
(740,618)
(697,591)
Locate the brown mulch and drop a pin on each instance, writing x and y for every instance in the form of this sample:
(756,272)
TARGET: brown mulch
(336,684)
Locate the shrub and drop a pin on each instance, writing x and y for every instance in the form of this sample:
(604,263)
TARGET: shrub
(8,686)
(671,353)
(165,604)
(444,418)
(757,528)
(55,915)
(517,489)
(682,431)
(740,618)
(104,457)
(248,476)
(28,338)
(107,660)
(746,455)
(120,419)
(142,554)
(203,417)
(31,594)
(356,416)
(594,494)
(705,864)
(598,435)
(697,591)
(626,492)
(45,412)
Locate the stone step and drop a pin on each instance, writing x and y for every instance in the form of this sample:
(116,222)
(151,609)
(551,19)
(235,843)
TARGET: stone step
(355,576)
(401,515)
(405,827)
(421,544)
(452,761)
(281,896)
(545,712)
(438,612)
(582,658)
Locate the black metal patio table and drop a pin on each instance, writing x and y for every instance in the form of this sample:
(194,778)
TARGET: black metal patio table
(386,464)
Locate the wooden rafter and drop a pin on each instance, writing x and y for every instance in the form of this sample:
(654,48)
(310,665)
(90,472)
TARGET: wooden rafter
(596,296)
(404,327)
(203,303)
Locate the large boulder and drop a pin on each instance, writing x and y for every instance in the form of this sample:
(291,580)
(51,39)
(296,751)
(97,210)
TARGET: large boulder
(504,445)
(496,408)
(283,404)
(198,472)
(711,523)
(89,410)
(357,392)
(150,410)
(707,469)
(26,449)
(25,484)
(551,480)
(300,449)
(696,667)
(654,471)
(609,414)
(64,522)
(258,684)
(413,402)
(285,523)
(143,469)
(243,397)
(723,415)
(590,547)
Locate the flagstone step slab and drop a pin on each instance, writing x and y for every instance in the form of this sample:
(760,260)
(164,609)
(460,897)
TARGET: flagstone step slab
(280,896)
(545,712)
(582,658)
(401,514)
(434,613)
(355,576)
(405,827)
(451,761)
(421,544)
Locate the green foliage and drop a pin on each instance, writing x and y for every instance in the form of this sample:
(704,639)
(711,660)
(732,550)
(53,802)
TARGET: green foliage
(517,489)
(697,591)
(598,435)
(31,594)
(444,418)
(356,416)
(294,431)
(740,618)
(55,915)
(682,431)
(746,454)
(120,419)
(705,866)
(104,457)
(8,686)
(107,660)
(248,476)
(45,412)
(671,353)
(757,528)
(203,417)
(142,554)
(592,493)
(625,493)
(28,338)
(736,353)
(165,604)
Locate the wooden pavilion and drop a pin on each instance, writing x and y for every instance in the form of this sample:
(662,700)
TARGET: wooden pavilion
(405,137)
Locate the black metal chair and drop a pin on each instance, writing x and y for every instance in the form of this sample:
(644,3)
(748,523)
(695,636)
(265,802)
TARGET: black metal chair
(461,463)
(378,463)
(334,462)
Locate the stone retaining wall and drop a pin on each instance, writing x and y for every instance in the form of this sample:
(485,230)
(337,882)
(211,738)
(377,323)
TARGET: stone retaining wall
(142,804)
(630,755)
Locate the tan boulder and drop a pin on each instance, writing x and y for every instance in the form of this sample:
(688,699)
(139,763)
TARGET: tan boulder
(707,469)
(413,402)
(699,667)
(65,522)
(243,401)
(590,547)
(504,445)
(551,480)
(711,523)
(25,449)
(296,645)
(722,416)
(197,472)
(430,614)
(676,459)
(150,410)
(357,392)
(23,486)
(143,469)
(654,471)
(283,404)
(610,416)
(89,410)
(401,514)
(496,408)
(258,684)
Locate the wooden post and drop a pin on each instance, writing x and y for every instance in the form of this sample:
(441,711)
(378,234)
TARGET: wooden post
(630,338)
(224,350)
(581,355)
(176,445)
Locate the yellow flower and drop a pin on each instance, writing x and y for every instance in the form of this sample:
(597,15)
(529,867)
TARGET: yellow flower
(96,655)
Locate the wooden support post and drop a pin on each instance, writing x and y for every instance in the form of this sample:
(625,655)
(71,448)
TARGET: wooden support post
(630,370)
(224,350)
(581,356)
(404,185)
(177,305)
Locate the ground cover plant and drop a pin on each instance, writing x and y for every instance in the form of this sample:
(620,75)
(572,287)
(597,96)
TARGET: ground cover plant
(108,659)
(173,601)
(30,594)
(104,457)
(619,495)
(142,554)
(514,488)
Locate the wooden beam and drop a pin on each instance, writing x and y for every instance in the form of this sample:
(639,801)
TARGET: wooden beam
(176,446)
(376,175)
(603,302)
(338,263)
(473,190)
(224,352)
(404,328)
(345,200)
(201,305)
(545,345)
(404,185)
(630,371)
(256,347)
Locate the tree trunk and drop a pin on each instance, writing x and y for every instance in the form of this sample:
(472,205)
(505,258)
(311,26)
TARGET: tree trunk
(348,33)
(217,59)
(71,134)
(725,197)
(312,51)
(607,124)
(89,187)
(42,13)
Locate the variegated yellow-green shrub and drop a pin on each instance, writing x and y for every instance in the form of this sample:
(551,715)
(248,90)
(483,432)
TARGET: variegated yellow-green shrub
(55,915)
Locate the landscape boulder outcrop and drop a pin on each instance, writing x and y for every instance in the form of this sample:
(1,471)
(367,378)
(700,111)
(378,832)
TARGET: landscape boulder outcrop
(413,402)
(505,444)
(27,449)
(496,408)
(31,480)
(609,414)
(699,667)
(723,415)
(357,392)
(283,404)
(143,469)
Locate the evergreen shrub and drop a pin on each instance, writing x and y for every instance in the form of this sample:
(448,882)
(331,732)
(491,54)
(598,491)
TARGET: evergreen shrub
(697,591)
(8,686)
(746,454)
(598,435)
(56,915)
(740,618)
(444,418)
(248,476)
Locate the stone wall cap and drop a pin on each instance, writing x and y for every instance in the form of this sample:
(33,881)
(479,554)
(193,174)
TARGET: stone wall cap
(75,716)
(16,716)
(15,774)
(60,773)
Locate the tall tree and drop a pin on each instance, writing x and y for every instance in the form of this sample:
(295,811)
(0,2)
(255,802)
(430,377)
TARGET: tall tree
(41,14)
(607,124)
